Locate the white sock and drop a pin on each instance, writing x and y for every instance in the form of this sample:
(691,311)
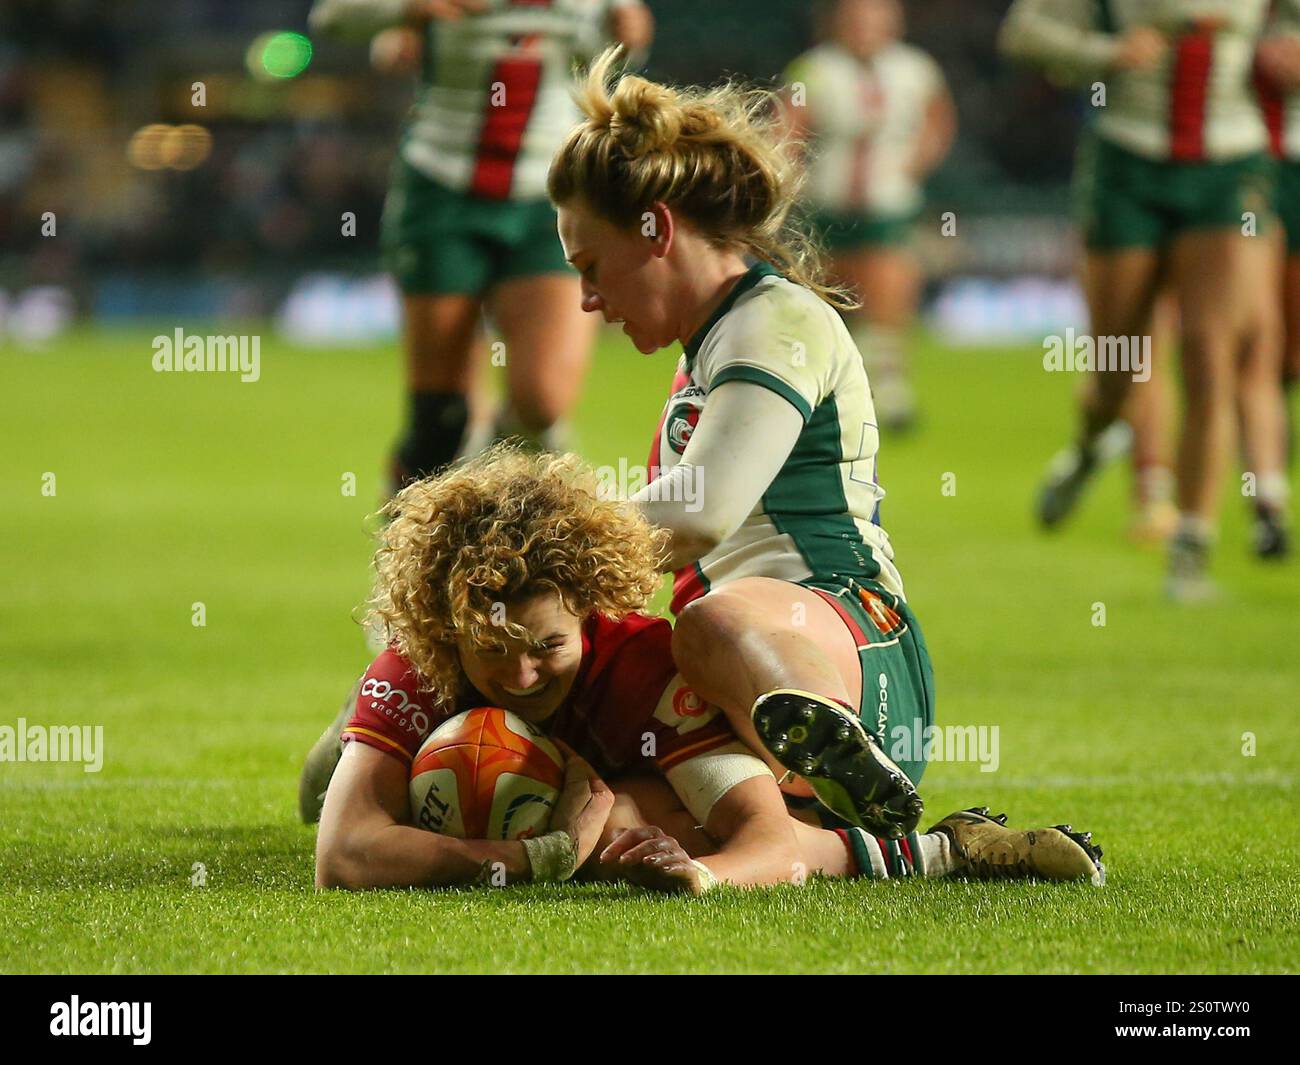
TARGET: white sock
(1155,484)
(934,856)
(1273,491)
(1194,527)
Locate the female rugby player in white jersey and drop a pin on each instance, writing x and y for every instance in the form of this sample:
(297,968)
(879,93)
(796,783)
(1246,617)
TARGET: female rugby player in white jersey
(1174,180)
(791,613)
(877,118)
(467,226)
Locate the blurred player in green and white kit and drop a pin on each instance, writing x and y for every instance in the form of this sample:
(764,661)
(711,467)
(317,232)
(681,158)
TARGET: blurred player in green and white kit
(1174,183)
(467,228)
(877,117)
(1278,62)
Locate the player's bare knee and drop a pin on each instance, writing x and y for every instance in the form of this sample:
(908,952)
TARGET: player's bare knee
(702,624)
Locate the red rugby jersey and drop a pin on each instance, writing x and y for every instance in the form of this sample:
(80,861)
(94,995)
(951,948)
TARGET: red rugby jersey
(620,714)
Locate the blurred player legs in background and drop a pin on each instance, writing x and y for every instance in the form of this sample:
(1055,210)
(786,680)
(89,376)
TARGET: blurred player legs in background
(1291,355)
(1261,403)
(877,119)
(1174,188)
(1150,412)
(1277,73)
(466,225)
(888,278)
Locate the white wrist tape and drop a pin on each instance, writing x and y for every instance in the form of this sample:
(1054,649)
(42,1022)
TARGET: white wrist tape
(553,856)
(707,880)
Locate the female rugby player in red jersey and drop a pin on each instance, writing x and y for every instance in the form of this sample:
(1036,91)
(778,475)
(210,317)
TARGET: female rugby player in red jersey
(507,581)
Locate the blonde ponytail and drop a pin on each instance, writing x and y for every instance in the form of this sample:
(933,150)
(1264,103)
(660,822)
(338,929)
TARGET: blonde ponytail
(716,156)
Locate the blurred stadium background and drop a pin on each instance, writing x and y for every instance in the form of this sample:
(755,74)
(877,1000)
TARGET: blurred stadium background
(232,209)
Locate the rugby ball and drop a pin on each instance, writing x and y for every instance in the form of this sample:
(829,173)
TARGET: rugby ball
(486,774)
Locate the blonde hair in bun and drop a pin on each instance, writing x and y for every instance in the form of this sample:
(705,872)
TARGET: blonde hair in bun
(717,157)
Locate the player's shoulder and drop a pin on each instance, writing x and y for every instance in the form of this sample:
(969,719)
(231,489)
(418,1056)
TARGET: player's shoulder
(390,664)
(636,707)
(774,316)
(815,62)
(776,329)
(391,681)
(628,659)
(394,711)
(636,635)
(627,665)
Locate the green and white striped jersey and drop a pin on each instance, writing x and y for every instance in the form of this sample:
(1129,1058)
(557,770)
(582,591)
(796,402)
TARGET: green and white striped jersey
(865,119)
(494,103)
(1200,103)
(820,515)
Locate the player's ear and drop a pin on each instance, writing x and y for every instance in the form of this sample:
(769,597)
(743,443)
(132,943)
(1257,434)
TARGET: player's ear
(660,227)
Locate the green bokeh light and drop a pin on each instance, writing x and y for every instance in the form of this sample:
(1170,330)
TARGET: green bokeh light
(285,55)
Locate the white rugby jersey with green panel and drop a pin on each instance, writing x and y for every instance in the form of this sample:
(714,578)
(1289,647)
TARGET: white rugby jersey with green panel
(782,460)
(866,119)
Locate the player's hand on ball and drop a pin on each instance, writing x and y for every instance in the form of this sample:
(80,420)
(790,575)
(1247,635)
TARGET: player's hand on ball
(650,857)
(449,10)
(583,805)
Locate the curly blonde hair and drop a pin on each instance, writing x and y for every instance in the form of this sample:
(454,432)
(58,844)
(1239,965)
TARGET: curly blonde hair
(495,529)
(719,157)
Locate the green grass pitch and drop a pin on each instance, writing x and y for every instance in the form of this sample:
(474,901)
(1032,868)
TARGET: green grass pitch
(179,489)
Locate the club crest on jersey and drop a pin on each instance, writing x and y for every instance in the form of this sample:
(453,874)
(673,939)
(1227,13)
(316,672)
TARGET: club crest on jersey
(686,703)
(681,425)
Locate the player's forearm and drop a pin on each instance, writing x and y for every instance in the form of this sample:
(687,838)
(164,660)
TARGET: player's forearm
(693,532)
(1056,34)
(741,442)
(761,851)
(401,856)
(356,18)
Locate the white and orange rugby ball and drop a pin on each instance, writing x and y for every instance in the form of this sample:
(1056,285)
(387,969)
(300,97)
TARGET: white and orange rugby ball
(486,774)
